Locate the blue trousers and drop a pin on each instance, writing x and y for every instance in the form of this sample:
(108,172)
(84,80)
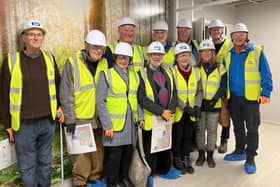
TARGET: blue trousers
(33,143)
(246,120)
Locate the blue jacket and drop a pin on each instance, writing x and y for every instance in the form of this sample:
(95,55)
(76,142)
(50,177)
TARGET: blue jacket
(237,75)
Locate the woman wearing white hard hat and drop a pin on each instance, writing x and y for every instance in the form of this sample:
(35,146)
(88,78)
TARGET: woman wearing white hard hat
(118,112)
(189,93)
(157,97)
(214,80)
(78,98)
(250,84)
(29,103)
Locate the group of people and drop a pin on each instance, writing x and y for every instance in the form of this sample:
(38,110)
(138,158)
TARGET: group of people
(120,86)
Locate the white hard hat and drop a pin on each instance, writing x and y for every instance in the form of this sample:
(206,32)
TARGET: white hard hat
(206,44)
(182,47)
(184,23)
(216,23)
(239,27)
(160,25)
(126,21)
(156,47)
(123,48)
(96,37)
(32,24)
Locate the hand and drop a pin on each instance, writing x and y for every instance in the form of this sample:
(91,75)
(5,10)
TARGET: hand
(209,104)
(189,110)
(109,132)
(263,100)
(167,115)
(60,115)
(141,123)
(10,135)
(197,112)
(70,128)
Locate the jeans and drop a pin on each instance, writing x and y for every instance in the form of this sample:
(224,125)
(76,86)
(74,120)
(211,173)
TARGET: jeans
(33,143)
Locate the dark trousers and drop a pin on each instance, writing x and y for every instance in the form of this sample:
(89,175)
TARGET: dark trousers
(116,162)
(159,162)
(182,136)
(225,131)
(246,120)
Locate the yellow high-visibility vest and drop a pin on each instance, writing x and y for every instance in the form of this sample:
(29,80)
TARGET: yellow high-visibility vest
(185,91)
(84,86)
(211,83)
(252,74)
(16,86)
(148,116)
(223,50)
(169,57)
(120,95)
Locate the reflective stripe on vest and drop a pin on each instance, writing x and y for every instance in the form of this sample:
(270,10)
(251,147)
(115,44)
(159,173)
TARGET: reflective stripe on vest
(185,91)
(119,96)
(223,50)
(211,83)
(84,86)
(148,116)
(16,86)
(138,59)
(252,74)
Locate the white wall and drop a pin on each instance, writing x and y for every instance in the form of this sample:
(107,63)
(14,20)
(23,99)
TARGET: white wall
(264,28)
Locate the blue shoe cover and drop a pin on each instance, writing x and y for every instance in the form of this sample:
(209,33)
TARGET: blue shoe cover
(99,183)
(235,157)
(171,174)
(150,181)
(249,168)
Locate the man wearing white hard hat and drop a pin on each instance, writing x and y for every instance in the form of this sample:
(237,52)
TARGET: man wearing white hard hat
(119,112)
(184,34)
(160,34)
(189,93)
(29,103)
(78,97)
(222,46)
(126,30)
(157,96)
(250,84)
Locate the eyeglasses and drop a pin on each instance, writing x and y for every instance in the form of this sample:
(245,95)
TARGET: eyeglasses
(33,35)
(122,57)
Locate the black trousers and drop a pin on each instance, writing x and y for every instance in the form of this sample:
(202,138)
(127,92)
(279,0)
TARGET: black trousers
(182,136)
(116,162)
(159,162)
(246,120)
(225,131)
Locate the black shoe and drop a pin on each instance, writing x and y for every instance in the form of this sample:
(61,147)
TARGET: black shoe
(223,146)
(178,164)
(125,182)
(210,160)
(188,165)
(201,158)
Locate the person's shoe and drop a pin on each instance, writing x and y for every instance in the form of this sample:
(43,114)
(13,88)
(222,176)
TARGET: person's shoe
(80,185)
(223,146)
(210,160)
(178,164)
(201,158)
(171,174)
(235,156)
(250,165)
(188,165)
(150,181)
(125,182)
